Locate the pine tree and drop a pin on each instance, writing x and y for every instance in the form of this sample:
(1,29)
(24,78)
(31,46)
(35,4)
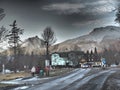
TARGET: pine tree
(95,55)
(87,56)
(14,39)
(91,55)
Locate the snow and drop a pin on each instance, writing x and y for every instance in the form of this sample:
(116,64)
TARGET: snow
(20,88)
(22,81)
(8,71)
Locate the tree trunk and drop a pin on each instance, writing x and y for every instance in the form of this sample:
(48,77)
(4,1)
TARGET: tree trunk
(47,53)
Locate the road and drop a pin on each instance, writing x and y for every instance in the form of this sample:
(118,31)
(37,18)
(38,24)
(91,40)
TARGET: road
(77,80)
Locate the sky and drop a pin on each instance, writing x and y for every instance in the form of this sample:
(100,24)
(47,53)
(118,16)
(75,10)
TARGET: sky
(67,18)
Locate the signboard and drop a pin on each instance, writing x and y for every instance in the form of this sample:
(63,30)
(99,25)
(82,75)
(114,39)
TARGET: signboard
(47,63)
(103,61)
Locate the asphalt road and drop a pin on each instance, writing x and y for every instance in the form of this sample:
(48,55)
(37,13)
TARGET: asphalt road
(92,82)
(77,80)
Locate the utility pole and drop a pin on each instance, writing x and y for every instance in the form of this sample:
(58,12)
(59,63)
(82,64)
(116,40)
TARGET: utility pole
(14,40)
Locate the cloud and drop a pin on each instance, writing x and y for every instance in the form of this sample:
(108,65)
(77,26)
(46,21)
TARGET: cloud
(102,9)
(102,22)
(65,8)
(96,7)
(79,24)
(97,2)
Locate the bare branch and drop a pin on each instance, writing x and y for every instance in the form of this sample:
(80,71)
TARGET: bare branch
(3,33)
(49,38)
(118,15)
(2,15)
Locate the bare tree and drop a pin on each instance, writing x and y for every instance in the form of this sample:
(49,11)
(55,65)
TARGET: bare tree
(3,39)
(49,38)
(118,15)
(3,33)
(3,30)
(2,14)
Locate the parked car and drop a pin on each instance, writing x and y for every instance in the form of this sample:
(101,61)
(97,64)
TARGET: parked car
(85,65)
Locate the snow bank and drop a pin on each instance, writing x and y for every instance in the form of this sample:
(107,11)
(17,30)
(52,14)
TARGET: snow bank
(20,88)
(22,80)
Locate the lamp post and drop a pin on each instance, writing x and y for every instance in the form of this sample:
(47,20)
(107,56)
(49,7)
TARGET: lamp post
(3,69)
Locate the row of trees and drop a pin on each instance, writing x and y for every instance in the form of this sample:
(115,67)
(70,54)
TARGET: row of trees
(92,56)
(111,56)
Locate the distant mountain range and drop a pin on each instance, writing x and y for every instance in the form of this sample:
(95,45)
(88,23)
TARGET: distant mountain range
(104,37)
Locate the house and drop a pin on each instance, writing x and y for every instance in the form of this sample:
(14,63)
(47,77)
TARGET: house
(71,58)
(57,60)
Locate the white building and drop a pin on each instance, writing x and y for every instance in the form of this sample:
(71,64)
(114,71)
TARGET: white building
(57,60)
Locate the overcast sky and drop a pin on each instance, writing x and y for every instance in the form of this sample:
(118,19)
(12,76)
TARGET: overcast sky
(68,18)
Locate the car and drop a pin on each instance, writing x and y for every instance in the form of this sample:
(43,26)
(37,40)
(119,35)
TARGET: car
(85,65)
(113,65)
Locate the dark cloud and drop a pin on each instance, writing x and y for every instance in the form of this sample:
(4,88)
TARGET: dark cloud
(82,9)
(69,18)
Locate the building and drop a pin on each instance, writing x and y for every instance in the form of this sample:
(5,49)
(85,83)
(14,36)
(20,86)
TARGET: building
(92,58)
(57,60)
(71,58)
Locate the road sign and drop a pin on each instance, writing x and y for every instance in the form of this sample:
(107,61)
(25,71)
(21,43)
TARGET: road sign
(103,61)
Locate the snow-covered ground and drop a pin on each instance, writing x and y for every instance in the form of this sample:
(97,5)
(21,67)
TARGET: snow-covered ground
(21,88)
(22,80)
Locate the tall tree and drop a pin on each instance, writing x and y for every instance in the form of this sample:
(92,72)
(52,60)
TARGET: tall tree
(95,55)
(91,55)
(14,39)
(49,38)
(87,56)
(2,14)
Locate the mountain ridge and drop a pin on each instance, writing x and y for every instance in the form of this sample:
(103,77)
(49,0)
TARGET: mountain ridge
(103,37)
(93,39)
